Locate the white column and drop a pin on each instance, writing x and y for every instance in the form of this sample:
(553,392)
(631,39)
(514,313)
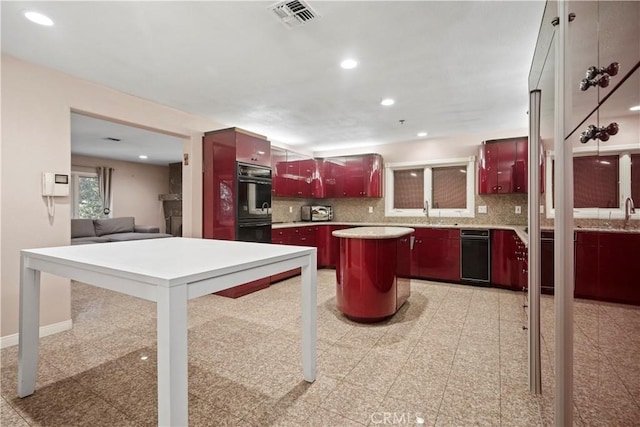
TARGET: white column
(28,329)
(309,315)
(563,257)
(535,375)
(173,406)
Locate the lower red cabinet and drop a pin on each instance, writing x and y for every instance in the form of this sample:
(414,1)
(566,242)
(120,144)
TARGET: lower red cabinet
(436,254)
(607,267)
(508,260)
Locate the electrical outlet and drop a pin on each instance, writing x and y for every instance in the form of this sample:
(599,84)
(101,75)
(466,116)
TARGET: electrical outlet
(482,209)
(541,209)
(370,209)
(290,209)
(518,210)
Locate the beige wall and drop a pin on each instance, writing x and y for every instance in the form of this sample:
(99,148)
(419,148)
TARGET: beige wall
(36,107)
(135,188)
(429,149)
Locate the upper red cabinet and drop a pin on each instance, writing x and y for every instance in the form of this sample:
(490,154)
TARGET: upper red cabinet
(251,148)
(503,166)
(353,176)
(333,177)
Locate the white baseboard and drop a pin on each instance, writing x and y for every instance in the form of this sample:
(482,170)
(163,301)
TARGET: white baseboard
(11,340)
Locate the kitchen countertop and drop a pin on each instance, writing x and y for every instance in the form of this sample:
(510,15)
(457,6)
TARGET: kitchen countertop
(520,230)
(386,232)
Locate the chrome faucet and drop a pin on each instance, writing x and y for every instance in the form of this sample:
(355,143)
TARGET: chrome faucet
(629,209)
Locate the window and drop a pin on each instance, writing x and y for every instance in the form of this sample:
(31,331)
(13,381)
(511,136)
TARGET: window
(600,184)
(85,196)
(446,187)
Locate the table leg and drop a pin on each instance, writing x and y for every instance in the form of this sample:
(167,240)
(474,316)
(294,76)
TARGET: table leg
(29,329)
(309,309)
(173,405)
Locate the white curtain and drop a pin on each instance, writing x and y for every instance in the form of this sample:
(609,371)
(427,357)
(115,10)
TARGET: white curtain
(104,183)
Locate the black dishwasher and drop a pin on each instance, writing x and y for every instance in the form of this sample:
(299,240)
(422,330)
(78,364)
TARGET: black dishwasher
(475,248)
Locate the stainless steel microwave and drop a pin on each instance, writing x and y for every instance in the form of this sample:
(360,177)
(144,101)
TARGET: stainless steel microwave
(316,213)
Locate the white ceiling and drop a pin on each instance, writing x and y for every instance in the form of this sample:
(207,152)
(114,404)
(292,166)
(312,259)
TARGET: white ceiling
(89,138)
(452,67)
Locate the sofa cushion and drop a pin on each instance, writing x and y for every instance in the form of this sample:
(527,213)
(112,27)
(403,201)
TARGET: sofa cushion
(125,237)
(114,225)
(82,228)
(88,239)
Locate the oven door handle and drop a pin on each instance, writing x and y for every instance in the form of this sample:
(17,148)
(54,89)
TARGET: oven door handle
(261,181)
(260,224)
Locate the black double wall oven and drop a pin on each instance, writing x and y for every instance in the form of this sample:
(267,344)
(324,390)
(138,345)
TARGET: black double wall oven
(253,212)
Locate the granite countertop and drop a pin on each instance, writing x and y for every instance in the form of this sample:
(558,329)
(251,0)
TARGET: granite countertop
(385,232)
(520,230)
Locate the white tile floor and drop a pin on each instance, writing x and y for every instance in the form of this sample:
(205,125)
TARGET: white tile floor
(454,355)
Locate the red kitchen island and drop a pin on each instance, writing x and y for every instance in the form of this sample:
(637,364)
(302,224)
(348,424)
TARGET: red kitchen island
(373,271)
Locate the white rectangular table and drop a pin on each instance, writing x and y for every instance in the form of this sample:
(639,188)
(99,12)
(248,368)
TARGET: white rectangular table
(170,272)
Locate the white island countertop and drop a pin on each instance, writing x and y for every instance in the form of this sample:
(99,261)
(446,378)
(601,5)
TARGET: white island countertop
(169,272)
(373,232)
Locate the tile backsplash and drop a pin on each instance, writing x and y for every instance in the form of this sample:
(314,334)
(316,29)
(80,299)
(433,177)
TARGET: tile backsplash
(500,210)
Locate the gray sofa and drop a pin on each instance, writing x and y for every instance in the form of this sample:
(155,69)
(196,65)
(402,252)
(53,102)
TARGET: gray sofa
(86,231)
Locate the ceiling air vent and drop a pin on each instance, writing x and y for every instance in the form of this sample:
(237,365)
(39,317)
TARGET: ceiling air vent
(294,13)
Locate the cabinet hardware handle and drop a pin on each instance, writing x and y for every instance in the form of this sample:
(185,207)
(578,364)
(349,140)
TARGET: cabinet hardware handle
(599,76)
(601,133)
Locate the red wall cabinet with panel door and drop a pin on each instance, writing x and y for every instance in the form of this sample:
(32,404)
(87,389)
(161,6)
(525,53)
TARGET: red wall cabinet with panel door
(502,166)
(278,171)
(333,171)
(436,254)
(363,176)
(253,149)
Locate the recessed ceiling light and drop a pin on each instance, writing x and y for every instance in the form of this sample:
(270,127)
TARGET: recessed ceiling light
(142,156)
(422,134)
(38,18)
(636,108)
(387,102)
(349,64)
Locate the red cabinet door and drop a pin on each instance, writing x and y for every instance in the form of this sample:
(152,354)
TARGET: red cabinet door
(278,170)
(306,171)
(317,180)
(291,178)
(618,269)
(354,177)
(418,256)
(504,264)
(502,166)
(587,264)
(218,186)
(334,172)
(506,170)
(521,170)
(451,270)
(373,167)
(254,150)
(436,254)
